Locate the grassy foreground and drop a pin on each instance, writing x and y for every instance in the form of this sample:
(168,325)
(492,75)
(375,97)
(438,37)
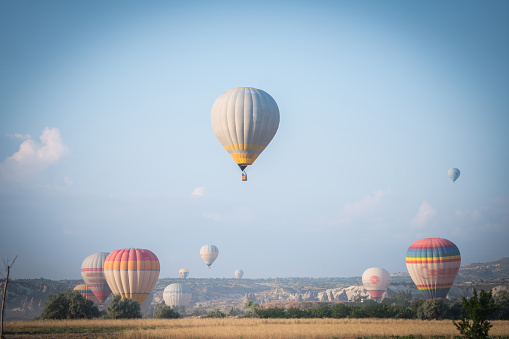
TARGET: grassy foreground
(240,328)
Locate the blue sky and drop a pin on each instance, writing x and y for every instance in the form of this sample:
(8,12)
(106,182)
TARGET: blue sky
(106,143)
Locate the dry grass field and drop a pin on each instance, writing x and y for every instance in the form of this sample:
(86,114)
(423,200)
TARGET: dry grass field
(239,328)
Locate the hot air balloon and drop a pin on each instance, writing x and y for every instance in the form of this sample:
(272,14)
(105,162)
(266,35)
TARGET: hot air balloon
(184,272)
(239,274)
(433,264)
(209,253)
(132,272)
(177,295)
(86,292)
(375,281)
(453,173)
(245,120)
(92,271)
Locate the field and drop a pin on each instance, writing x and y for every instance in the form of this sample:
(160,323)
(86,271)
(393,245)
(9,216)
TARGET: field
(239,328)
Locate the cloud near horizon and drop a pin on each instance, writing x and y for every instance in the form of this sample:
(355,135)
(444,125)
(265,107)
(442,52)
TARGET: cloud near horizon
(200,191)
(33,156)
(424,215)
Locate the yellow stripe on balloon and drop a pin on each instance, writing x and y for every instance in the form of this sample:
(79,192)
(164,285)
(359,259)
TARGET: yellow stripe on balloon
(244,146)
(244,159)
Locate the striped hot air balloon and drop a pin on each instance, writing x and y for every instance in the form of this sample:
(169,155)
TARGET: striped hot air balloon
(92,271)
(239,274)
(86,292)
(209,253)
(132,272)
(376,280)
(177,295)
(433,264)
(245,120)
(184,272)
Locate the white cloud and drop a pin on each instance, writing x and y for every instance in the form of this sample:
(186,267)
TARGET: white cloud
(68,181)
(34,156)
(200,191)
(363,205)
(424,215)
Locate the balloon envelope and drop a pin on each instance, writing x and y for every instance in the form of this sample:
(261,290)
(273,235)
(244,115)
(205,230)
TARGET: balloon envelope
(239,274)
(209,254)
(177,295)
(92,271)
(86,292)
(132,273)
(376,280)
(453,173)
(183,272)
(245,120)
(433,264)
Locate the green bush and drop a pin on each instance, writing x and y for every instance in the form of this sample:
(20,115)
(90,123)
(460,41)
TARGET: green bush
(164,311)
(125,308)
(502,304)
(69,305)
(434,309)
(295,313)
(339,311)
(321,311)
(215,313)
(479,308)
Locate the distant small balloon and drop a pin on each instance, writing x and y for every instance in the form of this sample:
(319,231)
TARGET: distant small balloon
(376,280)
(453,173)
(209,254)
(239,274)
(184,272)
(177,295)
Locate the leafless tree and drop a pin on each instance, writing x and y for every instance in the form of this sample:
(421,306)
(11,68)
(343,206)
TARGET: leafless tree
(7,266)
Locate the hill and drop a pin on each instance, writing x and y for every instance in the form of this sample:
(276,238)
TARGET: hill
(26,297)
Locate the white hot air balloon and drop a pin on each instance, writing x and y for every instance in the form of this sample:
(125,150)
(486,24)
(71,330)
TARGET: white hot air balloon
(92,271)
(177,295)
(375,281)
(245,120)
(454,174)
(209,254)
(239,274)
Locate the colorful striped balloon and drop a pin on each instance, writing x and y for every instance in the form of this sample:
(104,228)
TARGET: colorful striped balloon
(132,272)
(92,271)
(177,295)
(86,292)
(209,254)
(184,272)
(433,264)
(376,280)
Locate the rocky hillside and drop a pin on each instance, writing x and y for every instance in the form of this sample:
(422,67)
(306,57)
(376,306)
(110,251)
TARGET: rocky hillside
(26,298)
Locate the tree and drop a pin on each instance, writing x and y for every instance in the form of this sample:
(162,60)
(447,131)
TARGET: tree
(434,309)
(215,313)
(164,311)
(478,307)
(251,307)
(502,304)
(322,311)
(123,308)
(4,294)
(69,305)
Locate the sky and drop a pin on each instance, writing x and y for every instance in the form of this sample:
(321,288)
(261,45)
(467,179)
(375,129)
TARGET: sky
(106,141)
